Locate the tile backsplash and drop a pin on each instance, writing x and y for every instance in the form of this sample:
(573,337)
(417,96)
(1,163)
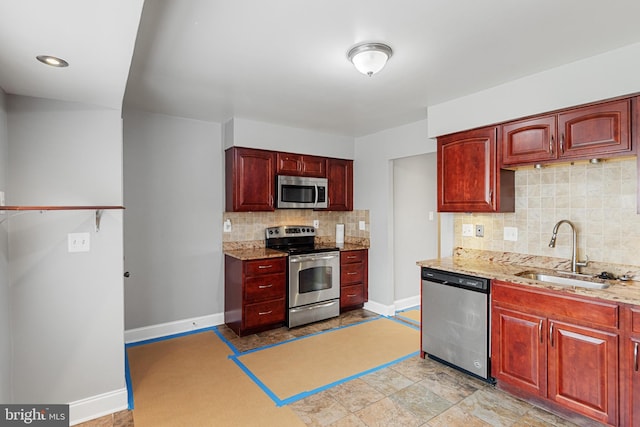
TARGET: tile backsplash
(599,199)
(247,228)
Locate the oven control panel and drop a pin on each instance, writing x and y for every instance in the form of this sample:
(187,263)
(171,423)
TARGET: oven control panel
(290,231)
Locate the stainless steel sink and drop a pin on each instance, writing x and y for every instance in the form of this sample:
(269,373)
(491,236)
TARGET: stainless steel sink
(563,281)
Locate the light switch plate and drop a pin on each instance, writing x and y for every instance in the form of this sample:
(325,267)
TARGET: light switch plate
(511,234)
(226,226)
(467,230)
(79,242)
(362,225)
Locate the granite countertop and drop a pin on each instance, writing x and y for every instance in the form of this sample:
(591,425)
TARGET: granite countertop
(254,253)
(505,266)
(246,254)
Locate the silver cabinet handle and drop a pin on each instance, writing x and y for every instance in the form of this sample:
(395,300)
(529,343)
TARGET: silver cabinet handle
(551,333)
(351,273)
(265,266)
(562,144)
(353,295)
(551,145)
(262,313)
(540,332)
(265,286)
(635,357)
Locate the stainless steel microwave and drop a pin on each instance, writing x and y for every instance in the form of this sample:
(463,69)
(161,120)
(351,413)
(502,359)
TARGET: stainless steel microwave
(301,192)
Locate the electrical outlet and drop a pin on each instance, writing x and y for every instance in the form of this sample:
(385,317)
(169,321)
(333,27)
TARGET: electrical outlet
(511,234)
(316,223)
(79,242)
(467,230)
(362,225)
(479,230)
(226,226)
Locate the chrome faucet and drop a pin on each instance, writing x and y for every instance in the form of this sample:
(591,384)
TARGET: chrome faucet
(552,244)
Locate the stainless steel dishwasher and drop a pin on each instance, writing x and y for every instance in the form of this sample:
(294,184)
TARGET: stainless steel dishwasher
(455,320)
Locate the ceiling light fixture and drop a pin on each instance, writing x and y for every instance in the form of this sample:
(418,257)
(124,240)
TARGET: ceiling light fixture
(52,60)
(369,58)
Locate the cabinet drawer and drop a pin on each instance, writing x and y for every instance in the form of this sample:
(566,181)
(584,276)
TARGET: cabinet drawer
(264,313)
(351,295)
(265,266)
(351,273)
(349,257)
(263,288)
(558,306)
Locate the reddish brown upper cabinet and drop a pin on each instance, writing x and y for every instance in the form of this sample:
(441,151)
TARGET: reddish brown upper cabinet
(600,130)
(469,179)
(340,181)
(301,165)
(560,348)
(249,179)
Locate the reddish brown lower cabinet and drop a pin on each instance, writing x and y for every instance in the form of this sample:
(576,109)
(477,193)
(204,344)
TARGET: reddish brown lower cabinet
(561,348)
(520,351)
(353,279)
(630,378)
(255,294)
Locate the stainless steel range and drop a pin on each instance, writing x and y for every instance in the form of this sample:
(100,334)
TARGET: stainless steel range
(313,274)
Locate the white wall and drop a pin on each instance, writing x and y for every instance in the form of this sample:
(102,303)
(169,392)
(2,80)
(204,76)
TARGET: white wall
(67,308)
(5,307)
(248,133)
(174,194)
(415,232)
(611,74)
(373,190)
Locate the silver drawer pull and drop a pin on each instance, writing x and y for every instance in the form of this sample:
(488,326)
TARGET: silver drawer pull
(351,295)
(351,273)
(262,313)
(352,257)
(265,286)
(265,266)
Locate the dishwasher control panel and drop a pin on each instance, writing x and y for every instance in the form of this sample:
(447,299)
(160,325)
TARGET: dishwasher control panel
(455,279)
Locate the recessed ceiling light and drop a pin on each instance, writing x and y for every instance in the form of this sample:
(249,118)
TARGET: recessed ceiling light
(52,60)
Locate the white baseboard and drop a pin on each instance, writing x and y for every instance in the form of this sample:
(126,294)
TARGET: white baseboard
(407,303)
(172,328)
(97,406)
(385,310)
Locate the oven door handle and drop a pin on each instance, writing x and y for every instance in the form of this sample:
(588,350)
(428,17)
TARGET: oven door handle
(311,258)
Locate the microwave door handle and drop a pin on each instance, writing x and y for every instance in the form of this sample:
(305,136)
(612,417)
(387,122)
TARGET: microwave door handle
(316,203)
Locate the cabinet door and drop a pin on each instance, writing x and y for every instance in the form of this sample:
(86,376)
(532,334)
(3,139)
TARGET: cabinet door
(529,141)
(340,181)
(583,370)
(633,399)
(467,172)
(250,179)
(594,131)
(301,165)
(518,353)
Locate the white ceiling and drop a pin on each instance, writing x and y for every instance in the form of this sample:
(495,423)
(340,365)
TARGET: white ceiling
(284,61)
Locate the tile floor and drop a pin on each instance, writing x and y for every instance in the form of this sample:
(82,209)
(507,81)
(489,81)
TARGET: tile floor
(415,392)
